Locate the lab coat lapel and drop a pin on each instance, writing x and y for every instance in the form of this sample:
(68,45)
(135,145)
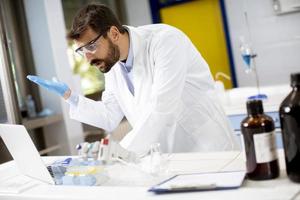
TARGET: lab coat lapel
(139,47)
(141,76)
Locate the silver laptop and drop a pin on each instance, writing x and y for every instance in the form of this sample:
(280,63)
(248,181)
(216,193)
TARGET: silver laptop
(23,151)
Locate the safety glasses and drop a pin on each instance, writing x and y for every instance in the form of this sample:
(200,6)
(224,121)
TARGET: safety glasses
(90,47)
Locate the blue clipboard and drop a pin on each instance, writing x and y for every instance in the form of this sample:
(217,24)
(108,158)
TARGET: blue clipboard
(200,182)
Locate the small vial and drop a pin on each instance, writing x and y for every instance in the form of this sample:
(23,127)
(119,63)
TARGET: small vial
(155,158)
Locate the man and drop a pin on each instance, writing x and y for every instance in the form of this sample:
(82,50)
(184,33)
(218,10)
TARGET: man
(155,77)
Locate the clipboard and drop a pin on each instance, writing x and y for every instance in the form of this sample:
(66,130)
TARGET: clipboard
(200,182)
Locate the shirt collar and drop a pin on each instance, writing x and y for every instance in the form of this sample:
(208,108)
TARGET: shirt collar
(129,61)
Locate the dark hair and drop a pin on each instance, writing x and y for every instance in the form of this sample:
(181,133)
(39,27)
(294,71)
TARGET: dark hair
(98,17)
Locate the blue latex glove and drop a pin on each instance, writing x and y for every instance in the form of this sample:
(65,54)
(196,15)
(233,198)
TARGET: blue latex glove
(54,85)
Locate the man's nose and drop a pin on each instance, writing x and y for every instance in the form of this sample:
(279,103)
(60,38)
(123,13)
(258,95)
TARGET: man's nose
(88,56)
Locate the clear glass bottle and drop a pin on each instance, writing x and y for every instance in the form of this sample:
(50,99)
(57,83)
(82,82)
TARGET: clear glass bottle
(30,106)
(259,137)
(290,125)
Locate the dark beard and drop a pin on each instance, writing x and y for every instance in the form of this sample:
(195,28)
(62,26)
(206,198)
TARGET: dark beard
(111,59)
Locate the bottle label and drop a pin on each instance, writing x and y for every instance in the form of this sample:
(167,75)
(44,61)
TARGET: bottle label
(265,147)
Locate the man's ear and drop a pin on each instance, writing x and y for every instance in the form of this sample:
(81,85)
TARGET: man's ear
(114,34)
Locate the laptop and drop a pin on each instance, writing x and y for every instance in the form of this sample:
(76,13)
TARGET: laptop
(24,153)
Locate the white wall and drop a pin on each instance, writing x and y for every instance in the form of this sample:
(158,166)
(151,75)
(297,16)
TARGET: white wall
(48,39)
(138,12)
(276,40)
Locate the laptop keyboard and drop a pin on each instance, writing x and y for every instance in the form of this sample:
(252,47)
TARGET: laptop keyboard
(50,171)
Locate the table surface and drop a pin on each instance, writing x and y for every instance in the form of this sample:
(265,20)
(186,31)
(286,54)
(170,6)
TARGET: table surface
(127,183)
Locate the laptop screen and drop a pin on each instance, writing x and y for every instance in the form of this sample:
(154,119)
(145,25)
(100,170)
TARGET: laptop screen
(24,153)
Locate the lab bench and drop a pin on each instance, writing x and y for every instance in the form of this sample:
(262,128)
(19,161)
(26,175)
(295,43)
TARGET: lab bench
(124,185)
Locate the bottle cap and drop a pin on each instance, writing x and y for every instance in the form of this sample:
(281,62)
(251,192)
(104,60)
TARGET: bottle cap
(295,79)
(105,141)
(254,107)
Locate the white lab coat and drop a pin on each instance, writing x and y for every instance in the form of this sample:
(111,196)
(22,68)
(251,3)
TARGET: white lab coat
(174,102)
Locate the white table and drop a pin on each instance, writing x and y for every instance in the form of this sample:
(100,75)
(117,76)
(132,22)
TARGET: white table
(118,188)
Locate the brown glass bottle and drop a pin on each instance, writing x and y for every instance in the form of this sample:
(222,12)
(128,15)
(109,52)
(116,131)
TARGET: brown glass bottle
(290,126)
(260,146)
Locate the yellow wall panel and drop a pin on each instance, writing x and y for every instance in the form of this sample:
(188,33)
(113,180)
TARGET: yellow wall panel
(201,20)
